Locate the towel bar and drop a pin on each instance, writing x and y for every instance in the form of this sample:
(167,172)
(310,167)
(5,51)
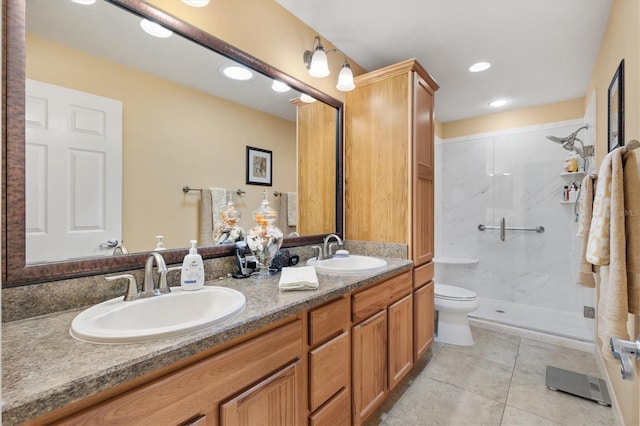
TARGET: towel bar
(187,189)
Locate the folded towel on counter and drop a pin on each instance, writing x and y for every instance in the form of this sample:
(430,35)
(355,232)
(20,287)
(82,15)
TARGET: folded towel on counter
(585,210)
(299,278)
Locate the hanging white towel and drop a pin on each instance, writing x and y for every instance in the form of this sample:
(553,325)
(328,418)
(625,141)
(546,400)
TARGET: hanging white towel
(206,218)
(292,208)
(298,278)
(585,211)
(219,202)
(632,228)
(607,247)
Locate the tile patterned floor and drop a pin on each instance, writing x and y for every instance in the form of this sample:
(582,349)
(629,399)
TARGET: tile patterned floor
(498,381)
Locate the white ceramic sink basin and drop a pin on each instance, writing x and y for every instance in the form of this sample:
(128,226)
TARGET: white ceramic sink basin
(173,314)
(352,264)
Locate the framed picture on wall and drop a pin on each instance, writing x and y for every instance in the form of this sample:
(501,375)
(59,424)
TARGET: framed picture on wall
(616,110)
(259,166)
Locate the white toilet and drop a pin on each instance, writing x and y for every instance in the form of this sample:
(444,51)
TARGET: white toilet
(453,304)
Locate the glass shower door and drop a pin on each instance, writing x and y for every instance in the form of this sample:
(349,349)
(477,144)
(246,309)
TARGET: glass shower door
(528,278)
(533,272)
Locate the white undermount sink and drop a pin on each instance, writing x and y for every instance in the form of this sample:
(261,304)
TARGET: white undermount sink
(352,264)
(176,313)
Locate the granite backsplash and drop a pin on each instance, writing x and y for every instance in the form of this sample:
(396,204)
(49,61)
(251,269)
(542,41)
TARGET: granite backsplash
(45,298)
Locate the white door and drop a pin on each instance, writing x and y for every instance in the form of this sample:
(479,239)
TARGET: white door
(73,173)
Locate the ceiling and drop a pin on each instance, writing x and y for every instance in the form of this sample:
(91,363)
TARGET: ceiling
(112,33)
(541,51)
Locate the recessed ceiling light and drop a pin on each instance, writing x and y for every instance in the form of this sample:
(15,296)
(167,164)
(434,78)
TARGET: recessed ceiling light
(154,29)
(279,86)
(499,102)
(479,66)
(196,3)
(84,2)
(237,72)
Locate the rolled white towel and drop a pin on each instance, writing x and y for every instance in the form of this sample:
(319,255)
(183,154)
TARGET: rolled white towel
(299,278)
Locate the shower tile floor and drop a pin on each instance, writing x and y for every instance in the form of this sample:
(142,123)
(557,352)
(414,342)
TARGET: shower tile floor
(498,381)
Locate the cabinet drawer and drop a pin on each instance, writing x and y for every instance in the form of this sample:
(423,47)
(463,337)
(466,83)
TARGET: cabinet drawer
(336,412)
(328,321)
(368,302)
(422,275)
(328,370)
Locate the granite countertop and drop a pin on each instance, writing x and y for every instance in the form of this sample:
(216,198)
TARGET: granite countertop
(44,368)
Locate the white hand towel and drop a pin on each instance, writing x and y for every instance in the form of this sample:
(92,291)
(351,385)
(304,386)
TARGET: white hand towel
(585,272)
(206,218)
(219,202)
(299,278)
(292,208)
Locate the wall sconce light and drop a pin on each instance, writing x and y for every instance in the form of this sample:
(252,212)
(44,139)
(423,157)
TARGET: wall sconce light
(316,62)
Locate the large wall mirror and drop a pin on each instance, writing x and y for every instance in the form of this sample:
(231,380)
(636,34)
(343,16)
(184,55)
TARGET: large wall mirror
(105,126)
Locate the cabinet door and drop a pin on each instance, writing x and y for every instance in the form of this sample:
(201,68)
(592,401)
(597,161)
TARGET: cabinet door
(423,175)
(423,316)
(273,401)
(377,136)
(369,365)
(400,339)
(316,170)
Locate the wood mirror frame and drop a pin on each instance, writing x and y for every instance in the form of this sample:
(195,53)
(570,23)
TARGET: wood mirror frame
(15,271)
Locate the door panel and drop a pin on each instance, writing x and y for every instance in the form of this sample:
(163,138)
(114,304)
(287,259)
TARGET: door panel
(73,173)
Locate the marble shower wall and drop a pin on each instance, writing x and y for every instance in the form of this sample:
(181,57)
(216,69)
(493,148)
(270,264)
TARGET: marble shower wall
(514,174)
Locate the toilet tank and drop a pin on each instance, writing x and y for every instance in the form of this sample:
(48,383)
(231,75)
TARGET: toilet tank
(456,271)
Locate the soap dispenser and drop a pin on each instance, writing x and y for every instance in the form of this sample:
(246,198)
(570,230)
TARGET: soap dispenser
(192,274)
(159,243)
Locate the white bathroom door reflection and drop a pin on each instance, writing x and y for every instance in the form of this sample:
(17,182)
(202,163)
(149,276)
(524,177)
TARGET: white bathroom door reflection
(73,173)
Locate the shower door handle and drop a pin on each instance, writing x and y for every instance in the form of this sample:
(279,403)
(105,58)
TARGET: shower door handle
(502,229)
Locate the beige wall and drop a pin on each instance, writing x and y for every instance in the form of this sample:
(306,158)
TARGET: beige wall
(621,41)
(265,30)
(172,136)
(559,111)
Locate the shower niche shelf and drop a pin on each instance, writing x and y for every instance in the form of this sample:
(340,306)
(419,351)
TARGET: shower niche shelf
(571,174)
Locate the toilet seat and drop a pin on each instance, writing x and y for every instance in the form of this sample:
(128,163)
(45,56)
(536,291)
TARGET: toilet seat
(449,292)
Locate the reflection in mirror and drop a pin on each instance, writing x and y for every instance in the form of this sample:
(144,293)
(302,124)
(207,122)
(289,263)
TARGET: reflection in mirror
(118,122)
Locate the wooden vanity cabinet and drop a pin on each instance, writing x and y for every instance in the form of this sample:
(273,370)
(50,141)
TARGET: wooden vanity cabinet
(330,364)
(316,146)
(382,341)
(257,381)
(389,174)
(424,309)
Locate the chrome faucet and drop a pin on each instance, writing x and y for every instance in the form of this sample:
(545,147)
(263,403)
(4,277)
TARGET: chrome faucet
(326,250)
(149,287)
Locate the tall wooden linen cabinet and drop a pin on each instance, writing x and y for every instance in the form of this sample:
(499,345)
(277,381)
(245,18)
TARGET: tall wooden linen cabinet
(389,197)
